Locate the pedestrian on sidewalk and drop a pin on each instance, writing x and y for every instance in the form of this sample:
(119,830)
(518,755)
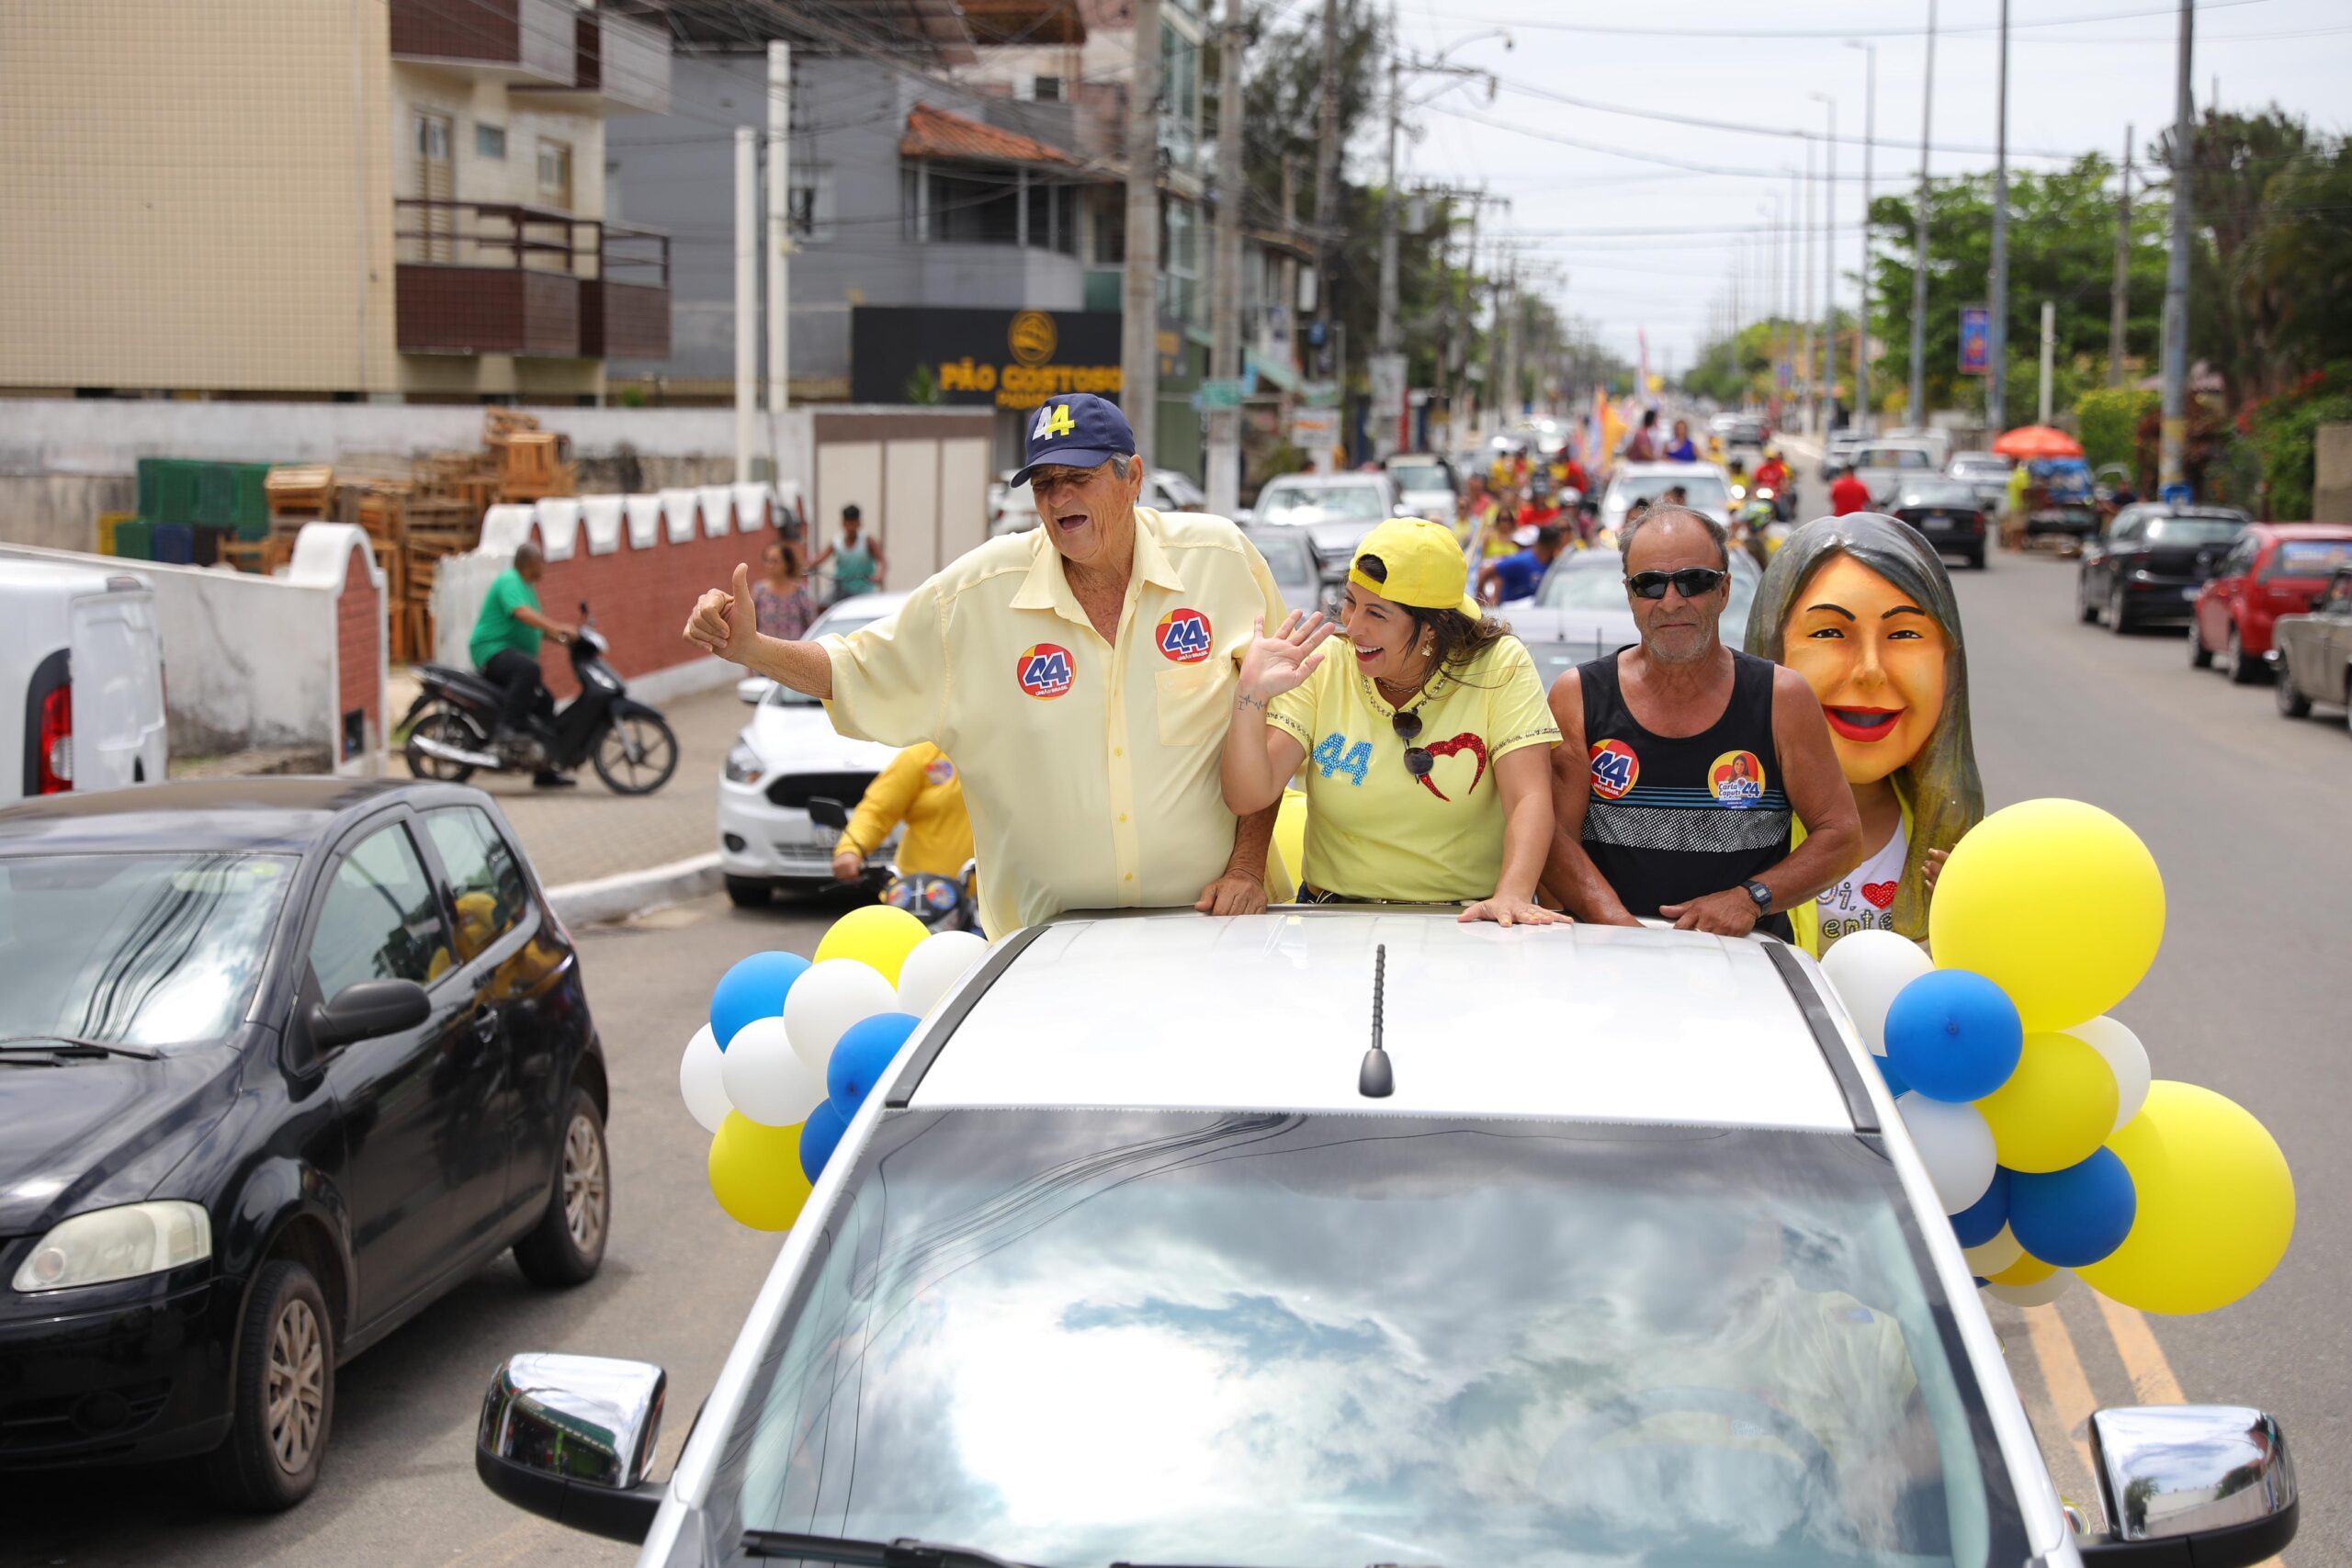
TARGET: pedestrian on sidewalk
(782,596)
(1079,673)
(857,561)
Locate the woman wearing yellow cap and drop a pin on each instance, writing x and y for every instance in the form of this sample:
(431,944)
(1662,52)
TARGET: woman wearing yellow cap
(1425,739)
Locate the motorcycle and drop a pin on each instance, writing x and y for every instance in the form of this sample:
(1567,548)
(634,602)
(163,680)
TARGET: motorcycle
(451,724)
(941,903)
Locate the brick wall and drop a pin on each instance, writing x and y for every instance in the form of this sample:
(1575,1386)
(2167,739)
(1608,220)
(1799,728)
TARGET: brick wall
(359,647)
(638,599)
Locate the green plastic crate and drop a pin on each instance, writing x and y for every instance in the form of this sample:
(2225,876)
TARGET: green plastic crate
(173,496)
(250,508)
(216,495)
(135,540)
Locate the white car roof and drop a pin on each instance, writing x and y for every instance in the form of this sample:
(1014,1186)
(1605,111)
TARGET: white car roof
(1273,1011)
(857,607)
(1645,470)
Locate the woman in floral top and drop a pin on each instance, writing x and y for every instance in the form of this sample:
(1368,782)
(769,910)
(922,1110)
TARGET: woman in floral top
(781,597)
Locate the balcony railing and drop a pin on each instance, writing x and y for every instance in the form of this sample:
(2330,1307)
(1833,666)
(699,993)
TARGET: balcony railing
(502,278)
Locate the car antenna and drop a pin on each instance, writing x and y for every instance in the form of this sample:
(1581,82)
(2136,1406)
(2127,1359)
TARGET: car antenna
(1373,1079)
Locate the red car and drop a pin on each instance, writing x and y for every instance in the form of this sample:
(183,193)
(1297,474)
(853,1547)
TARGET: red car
(2274,570)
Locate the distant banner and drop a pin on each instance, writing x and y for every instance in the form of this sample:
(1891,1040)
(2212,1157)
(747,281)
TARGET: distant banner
(1975,339)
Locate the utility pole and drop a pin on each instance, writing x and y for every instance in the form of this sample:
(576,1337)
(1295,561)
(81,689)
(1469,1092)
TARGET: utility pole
(1225,306)
(2117,295)
(1808,393)
(1996,378)
(1140,323)
(1507,406)
(1388,375)
(1828,267)
(1863,303)
(1326,183)
(2049,352)
(2172,466)
(1919,241)
(779,257)
(747,294)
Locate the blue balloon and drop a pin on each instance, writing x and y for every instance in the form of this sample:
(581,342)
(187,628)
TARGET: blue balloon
(1894,1081)
(1954,1036)
(2073,1216)
(863,1055)
(753,988)
(820,1136)
(1982,1219)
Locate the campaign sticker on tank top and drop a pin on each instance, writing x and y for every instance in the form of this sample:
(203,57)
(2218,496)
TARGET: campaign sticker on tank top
(1737,779)
(1045,670)
(1184,635)
(939,771)
(1614,769)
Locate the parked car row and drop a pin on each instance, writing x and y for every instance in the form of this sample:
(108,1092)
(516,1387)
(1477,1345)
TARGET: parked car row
(2261,600)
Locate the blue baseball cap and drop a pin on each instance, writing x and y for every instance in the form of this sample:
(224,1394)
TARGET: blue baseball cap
(1077,431)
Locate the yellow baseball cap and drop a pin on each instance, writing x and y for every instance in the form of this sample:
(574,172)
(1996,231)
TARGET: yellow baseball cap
(1425,564)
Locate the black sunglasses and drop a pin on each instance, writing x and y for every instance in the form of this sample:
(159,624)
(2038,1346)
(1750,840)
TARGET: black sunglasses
(1418,761)
(1691,581)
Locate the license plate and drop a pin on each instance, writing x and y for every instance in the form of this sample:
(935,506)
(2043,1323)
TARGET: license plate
(2190,592)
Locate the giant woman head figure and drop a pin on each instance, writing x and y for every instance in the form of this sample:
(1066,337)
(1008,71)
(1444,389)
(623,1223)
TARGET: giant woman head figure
(1860,606)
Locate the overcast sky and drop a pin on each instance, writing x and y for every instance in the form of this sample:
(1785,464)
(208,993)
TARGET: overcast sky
(2079,71)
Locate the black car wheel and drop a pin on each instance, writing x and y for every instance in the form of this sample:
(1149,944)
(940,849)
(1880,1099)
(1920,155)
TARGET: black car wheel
(2292,704)
(568,1247)
(2200,656)
(2242,670)
(2119,616)
(637,754)
(450,727)
(285,1394)
(748,892)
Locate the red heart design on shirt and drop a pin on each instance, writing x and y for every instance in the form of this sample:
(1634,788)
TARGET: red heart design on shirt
(1469,743)
(1881,894)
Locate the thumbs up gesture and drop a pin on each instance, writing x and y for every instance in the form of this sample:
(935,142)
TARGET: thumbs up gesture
(725,622)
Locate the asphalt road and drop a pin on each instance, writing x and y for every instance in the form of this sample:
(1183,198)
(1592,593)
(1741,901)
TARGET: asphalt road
(2245,815)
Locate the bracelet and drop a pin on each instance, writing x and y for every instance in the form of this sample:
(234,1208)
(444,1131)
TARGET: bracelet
(1244,700)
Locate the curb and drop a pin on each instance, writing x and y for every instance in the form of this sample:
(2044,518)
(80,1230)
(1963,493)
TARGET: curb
(633,892)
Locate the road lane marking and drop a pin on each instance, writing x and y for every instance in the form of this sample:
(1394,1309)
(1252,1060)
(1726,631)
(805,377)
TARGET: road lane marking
(2062,1377)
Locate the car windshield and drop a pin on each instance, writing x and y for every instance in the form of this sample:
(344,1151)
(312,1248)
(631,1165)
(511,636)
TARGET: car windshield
(1420,476)
(834,622)
(1892,458)
(1289,556)
(1073,1338)
(1702,487)
(1931,492)
(2194,530)
(135,949)
(2309,557)
(1573,585)
(1980,469)
(1282,504)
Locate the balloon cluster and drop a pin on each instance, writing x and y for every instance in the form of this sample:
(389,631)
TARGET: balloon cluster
(2052,1148)
(794,1047)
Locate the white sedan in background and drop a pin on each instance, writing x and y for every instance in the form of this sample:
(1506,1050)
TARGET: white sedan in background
(1703,486)
(788,755)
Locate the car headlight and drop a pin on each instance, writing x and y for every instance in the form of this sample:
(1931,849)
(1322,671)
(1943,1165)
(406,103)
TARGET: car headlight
(117,1244)
(744,766)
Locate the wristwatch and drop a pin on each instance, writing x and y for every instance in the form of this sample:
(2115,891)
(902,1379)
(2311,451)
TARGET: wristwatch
(1761,894)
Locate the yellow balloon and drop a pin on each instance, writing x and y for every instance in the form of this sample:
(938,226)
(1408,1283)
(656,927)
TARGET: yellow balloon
(2056,902)
(2216,1204)
(1290,832)
(876,936)
(2027,1271)
(2056,1109)
(756,1172)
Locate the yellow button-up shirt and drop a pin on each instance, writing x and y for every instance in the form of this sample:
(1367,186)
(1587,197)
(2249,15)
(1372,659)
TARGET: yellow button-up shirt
(1089,767)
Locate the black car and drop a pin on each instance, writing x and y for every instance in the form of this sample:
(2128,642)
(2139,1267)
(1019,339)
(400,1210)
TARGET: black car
(1946,512)
(281,1062)
(2149,564)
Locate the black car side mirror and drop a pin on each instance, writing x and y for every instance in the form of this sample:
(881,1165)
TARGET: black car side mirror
(367,1009)
(828,813)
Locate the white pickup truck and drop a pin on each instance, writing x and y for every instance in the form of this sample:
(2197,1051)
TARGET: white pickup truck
(81,680)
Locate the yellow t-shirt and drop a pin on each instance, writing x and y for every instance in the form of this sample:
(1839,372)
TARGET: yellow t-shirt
(1375,831)
(921,788)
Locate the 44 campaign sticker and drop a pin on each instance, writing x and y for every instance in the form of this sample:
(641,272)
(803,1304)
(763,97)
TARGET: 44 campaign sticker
(1614,769)
(1184,635)
(1045,670)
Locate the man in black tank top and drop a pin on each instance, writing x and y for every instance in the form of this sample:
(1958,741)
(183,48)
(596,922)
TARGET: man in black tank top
(1684,762)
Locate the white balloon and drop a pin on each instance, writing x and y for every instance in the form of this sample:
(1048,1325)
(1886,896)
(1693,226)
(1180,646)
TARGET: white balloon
(1992,1256)
(1866,970)
(934,967)
(825,1001)
(2041,1292)
(1955,1143)
(766,1079)
(699,1080)
(2126,1055)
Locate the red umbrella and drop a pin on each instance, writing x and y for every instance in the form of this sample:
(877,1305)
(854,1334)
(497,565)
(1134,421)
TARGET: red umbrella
(2028,442)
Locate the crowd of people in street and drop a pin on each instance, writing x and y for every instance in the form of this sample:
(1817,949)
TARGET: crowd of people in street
(1128,705)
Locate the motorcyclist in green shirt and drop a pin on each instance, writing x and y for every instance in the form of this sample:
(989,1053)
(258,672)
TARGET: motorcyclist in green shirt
(505,648)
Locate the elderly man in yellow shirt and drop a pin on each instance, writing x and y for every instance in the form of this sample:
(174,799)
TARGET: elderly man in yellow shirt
(1079,672)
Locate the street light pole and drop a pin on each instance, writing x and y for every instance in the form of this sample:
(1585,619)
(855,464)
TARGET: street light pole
(2172,466)
(1919,240)
(1225,306)
(1139,298)
(1827,399)
(1996,378)
(1807,393)
(1862,301)
(2118,295)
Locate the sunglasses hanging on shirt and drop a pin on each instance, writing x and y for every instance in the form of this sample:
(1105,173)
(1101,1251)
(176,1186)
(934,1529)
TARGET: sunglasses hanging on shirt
(1407,725)
(1690,582)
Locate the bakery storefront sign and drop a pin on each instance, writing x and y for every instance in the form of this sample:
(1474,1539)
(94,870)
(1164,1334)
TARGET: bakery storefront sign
(1007,360)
